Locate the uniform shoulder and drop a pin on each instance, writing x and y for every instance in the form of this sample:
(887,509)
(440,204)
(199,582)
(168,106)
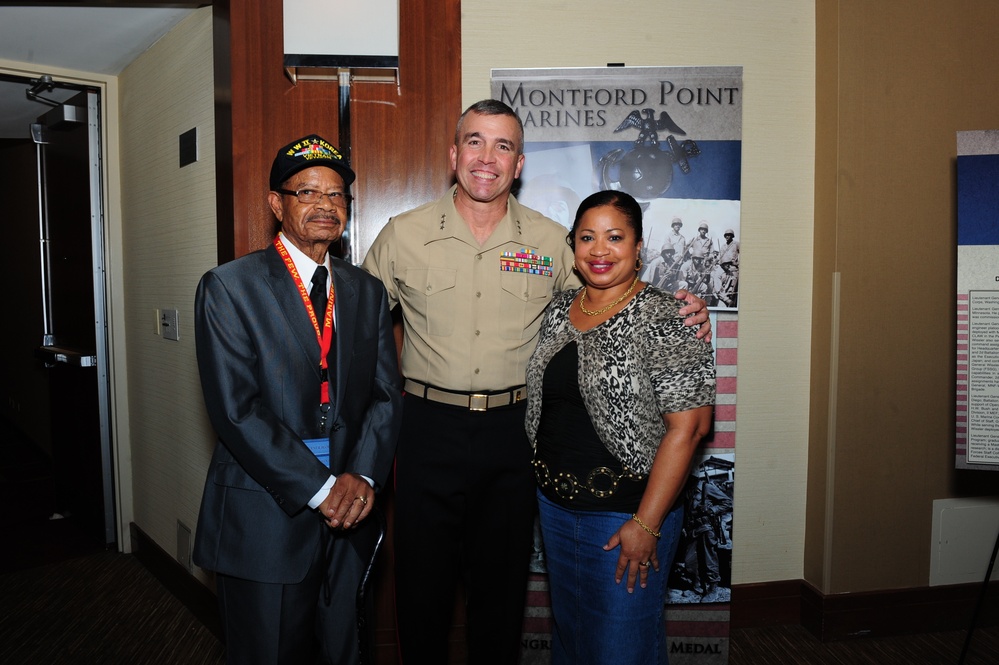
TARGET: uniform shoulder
(537,221)
(418,212)
(354,272)
(410,224)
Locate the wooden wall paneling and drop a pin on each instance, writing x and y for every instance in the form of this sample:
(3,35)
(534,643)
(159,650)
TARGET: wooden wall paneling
(402,136)
(268,111)
(882,433)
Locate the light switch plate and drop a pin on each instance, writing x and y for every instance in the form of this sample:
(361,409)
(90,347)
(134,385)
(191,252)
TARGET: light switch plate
(169,324)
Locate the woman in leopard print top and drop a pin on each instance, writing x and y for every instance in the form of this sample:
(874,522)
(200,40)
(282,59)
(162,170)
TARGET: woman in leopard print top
(620,392)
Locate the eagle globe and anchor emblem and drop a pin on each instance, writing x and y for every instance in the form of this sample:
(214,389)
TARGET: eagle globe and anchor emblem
(646,171)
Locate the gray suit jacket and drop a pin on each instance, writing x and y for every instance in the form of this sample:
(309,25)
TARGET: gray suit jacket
(259,362)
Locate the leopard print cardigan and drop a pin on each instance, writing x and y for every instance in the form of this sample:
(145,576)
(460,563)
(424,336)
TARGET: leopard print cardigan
(638,365)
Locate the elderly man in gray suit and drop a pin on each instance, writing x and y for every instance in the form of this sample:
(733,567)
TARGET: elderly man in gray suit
(301,383)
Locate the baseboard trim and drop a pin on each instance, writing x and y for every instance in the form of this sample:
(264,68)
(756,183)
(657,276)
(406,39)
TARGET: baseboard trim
(198,598)
(765,604)
(869,614)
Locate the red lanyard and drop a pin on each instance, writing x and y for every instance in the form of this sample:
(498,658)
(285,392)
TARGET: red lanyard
(325,336)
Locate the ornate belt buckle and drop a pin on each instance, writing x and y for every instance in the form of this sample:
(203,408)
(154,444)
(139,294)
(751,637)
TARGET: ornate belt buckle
(566,486)
(478,402)
(602,471)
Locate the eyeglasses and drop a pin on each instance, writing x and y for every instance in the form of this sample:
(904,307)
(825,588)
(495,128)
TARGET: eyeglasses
(313,196)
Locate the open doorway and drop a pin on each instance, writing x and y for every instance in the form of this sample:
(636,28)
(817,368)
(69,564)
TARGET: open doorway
(56,471)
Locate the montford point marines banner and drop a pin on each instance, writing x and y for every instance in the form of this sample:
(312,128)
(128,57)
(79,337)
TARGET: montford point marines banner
(977,409)
(672,138)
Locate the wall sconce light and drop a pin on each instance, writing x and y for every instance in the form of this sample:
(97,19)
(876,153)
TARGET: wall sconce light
(321,37)
(343,41)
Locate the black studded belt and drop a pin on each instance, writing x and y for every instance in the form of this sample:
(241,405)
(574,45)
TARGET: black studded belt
(601,482)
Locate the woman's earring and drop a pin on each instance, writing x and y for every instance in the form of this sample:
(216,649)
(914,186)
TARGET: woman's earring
(638,264)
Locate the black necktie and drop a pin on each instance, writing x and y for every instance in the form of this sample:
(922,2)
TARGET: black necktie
(319,293)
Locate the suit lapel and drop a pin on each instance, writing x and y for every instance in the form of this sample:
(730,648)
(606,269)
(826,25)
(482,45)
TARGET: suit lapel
(345,308)
(289,302)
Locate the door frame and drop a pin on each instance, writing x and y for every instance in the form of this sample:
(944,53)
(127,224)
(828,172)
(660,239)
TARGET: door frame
(108,193)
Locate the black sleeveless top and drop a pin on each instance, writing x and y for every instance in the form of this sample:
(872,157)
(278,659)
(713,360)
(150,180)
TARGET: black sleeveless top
(573,467)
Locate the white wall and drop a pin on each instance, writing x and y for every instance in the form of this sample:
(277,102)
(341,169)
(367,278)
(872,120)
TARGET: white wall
(774,42)
(169,241)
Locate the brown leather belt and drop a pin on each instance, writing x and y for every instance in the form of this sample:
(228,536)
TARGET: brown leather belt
(473,401)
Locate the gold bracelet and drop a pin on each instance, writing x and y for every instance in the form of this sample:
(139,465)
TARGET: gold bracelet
(655,534)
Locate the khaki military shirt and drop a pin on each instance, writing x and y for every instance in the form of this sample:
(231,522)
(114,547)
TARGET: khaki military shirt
(471,313)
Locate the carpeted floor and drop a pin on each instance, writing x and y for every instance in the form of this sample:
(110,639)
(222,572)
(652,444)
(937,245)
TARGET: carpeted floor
(65,599)
(107,608)
(784,645)
(100,608)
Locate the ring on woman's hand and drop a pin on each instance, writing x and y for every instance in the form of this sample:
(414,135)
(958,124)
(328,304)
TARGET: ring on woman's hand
(645,564)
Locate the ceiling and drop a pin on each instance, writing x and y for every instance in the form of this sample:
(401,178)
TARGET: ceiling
(100,40)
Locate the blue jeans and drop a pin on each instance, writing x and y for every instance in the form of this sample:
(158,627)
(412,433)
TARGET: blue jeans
(596,620)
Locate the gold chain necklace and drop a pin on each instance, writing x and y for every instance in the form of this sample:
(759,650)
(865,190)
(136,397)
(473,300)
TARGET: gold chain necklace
(591,312)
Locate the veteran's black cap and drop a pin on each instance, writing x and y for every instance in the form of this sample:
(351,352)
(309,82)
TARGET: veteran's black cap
(312,150)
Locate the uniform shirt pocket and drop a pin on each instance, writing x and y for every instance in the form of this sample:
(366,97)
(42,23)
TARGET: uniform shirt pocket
(525,297)
(431,292)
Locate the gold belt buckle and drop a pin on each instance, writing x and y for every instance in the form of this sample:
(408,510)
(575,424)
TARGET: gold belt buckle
(478,402)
